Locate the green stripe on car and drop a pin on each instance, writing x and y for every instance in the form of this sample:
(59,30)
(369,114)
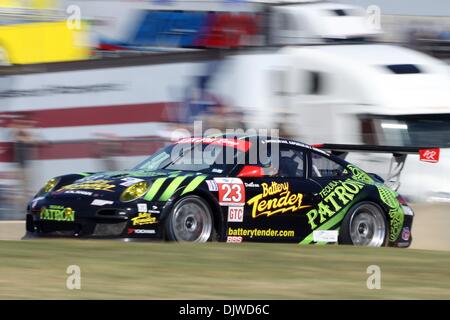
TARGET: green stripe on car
(194,184)
(154,189)
(85,174)
(328,225)
(173,186)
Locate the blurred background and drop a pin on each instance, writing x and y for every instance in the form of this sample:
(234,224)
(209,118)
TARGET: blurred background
(91,85)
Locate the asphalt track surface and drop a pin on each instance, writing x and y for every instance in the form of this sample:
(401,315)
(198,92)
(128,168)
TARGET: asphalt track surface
(430,228)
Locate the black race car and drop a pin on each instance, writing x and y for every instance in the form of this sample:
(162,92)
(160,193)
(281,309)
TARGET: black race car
(228,188)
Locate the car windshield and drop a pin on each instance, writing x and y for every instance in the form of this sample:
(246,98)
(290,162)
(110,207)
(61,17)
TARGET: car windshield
(198,157)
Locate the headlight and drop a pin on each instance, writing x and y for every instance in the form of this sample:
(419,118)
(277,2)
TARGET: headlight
(50,185)
(135,191)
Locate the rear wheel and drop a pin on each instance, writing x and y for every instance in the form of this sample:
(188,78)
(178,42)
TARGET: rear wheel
(190,220)
(364,225)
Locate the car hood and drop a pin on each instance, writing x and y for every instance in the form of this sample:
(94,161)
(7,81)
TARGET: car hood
(109,185)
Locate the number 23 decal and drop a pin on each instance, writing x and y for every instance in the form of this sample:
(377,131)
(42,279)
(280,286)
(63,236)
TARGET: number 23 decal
(231,191)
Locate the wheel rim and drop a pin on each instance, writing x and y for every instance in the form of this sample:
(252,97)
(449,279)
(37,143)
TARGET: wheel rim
(191,221)
(368,227)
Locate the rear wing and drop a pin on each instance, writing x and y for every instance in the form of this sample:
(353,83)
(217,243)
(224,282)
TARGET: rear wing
(399,154)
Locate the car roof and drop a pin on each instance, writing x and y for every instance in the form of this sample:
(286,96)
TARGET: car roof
(266,139)
(271,139)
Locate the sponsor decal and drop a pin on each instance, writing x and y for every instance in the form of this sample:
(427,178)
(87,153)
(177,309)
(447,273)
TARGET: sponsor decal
(231,191)
(100,185)
(295,143)
(289,142)
(129,181)
(406,233)
(276,198)
(335,196)
(235,214)
(84,193)
(100,202)
(325,236)
(252,185)
(389,197)
(143,218)
(429,155)
(241,232)
(336,201)
(57,213)
(142,207)
(233,239)
(358,174)
(233,143)
(212,185)
(154,211)
(141,231)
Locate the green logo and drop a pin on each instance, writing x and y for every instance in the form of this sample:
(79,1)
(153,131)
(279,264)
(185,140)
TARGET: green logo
(389,197)
(336,195)
(360,175)
(57,213)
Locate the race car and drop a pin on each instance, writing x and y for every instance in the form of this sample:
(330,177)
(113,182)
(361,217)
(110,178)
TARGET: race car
(228,188)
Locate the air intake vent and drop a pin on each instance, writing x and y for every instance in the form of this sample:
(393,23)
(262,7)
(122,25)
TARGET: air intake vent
(108,212)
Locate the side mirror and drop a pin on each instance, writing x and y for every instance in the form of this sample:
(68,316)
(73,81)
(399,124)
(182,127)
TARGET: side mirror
(251,172)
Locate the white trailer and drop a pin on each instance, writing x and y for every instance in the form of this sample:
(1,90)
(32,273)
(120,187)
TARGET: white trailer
(371,93)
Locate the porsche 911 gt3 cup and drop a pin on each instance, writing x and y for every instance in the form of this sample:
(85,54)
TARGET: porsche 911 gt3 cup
(223,189)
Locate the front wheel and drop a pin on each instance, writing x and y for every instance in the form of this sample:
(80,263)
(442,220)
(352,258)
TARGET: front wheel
(364,225)
(190,221)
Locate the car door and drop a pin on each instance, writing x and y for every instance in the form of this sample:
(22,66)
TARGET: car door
(277,200)
(338,192)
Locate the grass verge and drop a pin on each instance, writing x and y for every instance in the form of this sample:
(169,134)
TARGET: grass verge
(120,270)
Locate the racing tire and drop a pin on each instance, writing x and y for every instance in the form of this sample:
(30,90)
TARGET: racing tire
(190,220)
(364,225)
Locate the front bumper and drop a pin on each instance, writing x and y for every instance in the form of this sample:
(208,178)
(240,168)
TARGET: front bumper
(118,220)
(404,240)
